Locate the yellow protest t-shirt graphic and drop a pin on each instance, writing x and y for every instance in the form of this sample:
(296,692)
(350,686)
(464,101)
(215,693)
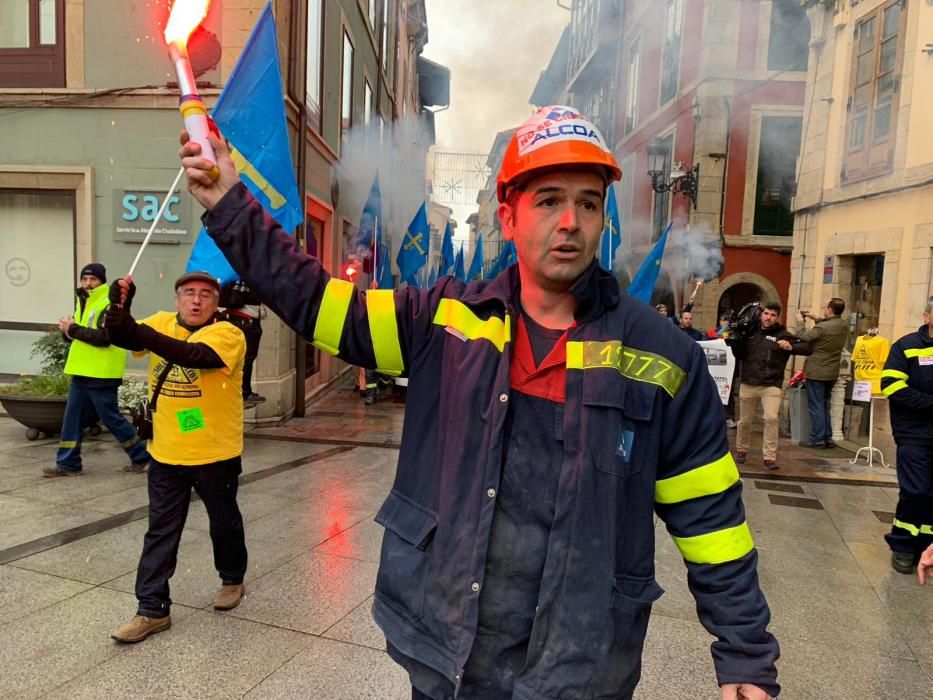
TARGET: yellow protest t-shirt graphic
(868,358)
(199,415)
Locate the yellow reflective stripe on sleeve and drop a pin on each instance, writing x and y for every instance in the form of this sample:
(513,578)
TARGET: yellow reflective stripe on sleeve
(332,315)
(717,547)
(893,374)
(383,327)
(457,316)
(919,352)
(706,480)
(895,387)
(638,365)
(915,530)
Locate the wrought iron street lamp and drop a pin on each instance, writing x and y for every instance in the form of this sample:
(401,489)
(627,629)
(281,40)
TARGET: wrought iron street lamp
(679,181)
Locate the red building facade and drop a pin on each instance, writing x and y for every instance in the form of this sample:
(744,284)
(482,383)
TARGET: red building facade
(719,84)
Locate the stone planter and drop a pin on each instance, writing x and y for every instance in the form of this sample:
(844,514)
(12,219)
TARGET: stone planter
(40,414)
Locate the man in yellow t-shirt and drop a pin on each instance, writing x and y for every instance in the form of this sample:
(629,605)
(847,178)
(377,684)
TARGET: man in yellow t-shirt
(196,443)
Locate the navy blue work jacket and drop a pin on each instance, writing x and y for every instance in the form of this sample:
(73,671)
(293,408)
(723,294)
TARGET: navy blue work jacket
(644,433)
(907,382)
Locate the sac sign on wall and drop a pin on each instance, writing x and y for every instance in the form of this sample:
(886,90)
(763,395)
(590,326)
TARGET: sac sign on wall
(135,209)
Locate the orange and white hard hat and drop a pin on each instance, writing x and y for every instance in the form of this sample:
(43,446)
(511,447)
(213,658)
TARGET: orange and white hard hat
(554,136)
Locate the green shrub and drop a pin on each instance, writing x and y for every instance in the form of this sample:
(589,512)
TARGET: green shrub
(52,349)
(41,385)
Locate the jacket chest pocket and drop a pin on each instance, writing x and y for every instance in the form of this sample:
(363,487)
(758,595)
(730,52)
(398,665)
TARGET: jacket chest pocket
(618,415)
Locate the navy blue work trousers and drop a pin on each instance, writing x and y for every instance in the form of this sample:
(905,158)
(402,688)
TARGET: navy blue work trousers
(83,402)
(912,531)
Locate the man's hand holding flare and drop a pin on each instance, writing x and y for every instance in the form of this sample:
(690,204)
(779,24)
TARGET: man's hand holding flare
(197,170)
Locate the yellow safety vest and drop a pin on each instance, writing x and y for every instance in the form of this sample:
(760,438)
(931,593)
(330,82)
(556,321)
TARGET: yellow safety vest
(86,360)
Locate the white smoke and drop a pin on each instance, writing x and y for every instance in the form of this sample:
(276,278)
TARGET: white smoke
(396,151)
(700,249)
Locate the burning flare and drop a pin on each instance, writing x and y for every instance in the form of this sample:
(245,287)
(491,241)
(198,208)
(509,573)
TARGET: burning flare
(185,17)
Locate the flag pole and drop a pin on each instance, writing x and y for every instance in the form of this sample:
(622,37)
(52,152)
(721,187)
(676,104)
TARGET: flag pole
(158,217)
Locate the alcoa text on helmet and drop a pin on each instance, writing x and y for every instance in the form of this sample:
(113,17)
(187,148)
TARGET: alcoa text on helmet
(553,137)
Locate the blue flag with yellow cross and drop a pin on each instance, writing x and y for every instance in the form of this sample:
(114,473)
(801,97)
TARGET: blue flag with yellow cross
(251,115)
(413,253)
(612,234)
(642,287)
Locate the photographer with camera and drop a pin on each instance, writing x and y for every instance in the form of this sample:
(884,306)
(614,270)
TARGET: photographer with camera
(763,346)
(195,380)
(828,338)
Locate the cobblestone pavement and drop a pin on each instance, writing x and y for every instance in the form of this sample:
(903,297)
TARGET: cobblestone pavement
(849,627)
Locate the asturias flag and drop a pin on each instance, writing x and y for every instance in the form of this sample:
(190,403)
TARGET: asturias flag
(458,265)
(383,253)
(447,252)
(371,218)
(642,287)
(413,255)
(251,115)
(476,265)
(612,234)
(507,256)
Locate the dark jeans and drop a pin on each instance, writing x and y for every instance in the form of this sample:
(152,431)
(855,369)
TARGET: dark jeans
(169,495)
(83,401)
(818,400)
(912,531)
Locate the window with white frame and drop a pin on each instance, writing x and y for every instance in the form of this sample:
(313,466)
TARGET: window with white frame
(631,103)
(670,53)
(346,90)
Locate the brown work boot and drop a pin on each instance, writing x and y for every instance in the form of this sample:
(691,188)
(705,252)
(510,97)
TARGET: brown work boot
(137,629)
(229,596)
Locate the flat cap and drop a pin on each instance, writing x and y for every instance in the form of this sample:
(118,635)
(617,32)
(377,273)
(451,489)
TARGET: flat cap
(198,276)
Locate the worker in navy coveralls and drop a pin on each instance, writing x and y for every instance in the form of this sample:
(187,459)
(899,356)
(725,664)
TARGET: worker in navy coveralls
(549,418)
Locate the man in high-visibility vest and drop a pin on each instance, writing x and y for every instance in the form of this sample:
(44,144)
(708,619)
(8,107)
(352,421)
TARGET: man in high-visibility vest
(96,370)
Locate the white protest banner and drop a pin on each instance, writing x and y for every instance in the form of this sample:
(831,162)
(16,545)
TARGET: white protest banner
(721,364)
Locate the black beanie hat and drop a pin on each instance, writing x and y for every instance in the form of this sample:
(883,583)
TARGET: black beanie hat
(96,269)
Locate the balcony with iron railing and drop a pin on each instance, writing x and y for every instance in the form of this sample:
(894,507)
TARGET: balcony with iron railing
(595,28)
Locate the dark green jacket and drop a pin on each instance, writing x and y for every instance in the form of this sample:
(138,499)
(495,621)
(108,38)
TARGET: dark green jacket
(827,338)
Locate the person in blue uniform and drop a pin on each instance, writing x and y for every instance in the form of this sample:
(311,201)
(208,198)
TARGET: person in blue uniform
(907,382)
(518,555)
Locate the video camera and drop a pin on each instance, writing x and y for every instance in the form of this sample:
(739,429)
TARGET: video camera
(746,320)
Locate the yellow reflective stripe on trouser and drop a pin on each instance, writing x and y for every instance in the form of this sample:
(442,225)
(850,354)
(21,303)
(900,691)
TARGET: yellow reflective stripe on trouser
(383,327)
(893,374)
(895,387)
(716,547)
(457,316)
(919,352)
(68,444)
(332,316)
(915,530)
(638,365)
(707,480)
(129,443)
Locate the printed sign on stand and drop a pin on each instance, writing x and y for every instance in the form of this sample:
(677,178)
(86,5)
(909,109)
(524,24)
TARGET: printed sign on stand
(861,391)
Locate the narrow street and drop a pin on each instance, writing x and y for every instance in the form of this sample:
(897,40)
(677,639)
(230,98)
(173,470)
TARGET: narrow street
(848,625)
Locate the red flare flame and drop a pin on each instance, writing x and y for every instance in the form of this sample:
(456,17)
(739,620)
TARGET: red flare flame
(185,17)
